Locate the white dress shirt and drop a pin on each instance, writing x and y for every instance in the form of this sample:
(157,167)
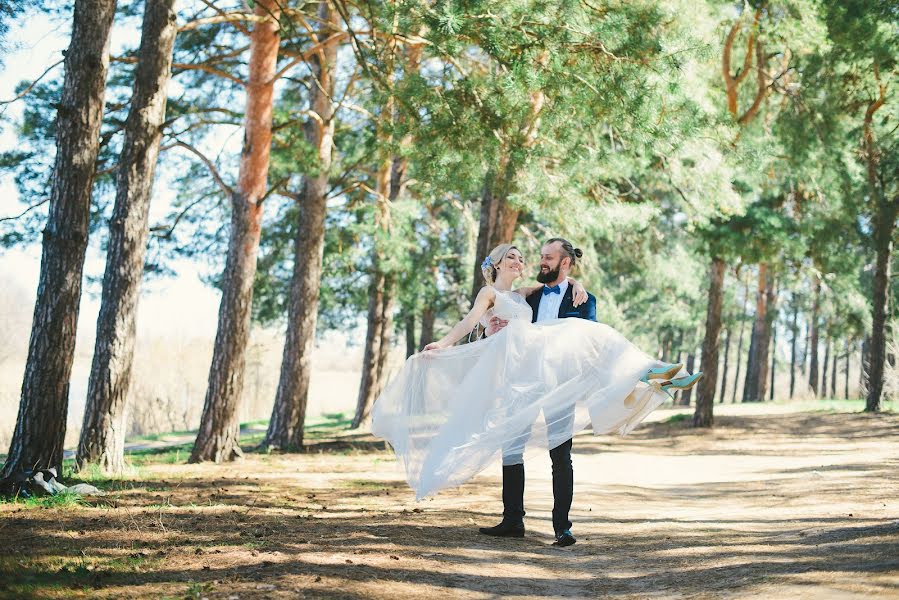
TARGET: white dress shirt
(548,308)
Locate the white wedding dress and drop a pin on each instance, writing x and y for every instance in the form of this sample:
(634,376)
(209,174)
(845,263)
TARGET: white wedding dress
(450,412)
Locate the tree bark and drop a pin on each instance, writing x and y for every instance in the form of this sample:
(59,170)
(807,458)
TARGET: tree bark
(724,368)
(428,316)
(864,362)
(102,440)
(218,437)
(805,350)
(411,343)
(752,390)
(765,346)
(833,372)
(377,344)
(285,428)
(794,328)
(773,360)
(884,225)
(705,397)
(40,430)
(813,338)
(846,388)
(498,220)
(391,180)
(824,370)
(733,398)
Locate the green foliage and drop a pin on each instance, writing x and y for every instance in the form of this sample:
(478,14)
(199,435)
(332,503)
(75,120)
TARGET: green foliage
(605,122)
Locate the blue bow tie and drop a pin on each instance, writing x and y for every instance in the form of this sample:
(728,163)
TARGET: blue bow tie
(551,290)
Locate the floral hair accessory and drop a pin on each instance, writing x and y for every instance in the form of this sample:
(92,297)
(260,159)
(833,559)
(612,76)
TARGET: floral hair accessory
(488,262)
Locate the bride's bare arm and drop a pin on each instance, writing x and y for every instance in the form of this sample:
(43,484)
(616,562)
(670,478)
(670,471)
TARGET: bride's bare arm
(579,294)
(481,304)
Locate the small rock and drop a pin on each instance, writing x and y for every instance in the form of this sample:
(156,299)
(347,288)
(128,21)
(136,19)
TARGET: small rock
(394,557)
(266,586)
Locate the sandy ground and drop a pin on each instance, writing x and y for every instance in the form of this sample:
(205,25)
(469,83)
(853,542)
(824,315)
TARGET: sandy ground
(766,505)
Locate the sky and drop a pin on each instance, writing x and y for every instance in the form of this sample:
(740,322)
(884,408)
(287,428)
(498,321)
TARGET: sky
(181,304)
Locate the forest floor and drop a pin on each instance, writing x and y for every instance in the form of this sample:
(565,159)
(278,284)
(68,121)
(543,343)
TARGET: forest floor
(771,503)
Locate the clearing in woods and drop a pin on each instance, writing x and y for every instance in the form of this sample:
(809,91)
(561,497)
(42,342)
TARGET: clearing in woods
(798,504)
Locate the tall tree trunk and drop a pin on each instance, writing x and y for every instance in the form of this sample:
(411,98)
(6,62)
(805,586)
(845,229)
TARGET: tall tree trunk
(724,368)
(285,428)
(753,390)
(381,292)
(864,362)
(813,338)
(833,372)
(498,220)
(773,361)
(377,343)
(218,437)
(102,439)
(428,316)
(884,225)
(794,328)
(411,343)
(824,370)
(687,394)
(41,423)
(705,397)
(750,356)
(391,181)
(805,350)
(733,397)
(846,388)
(765,347)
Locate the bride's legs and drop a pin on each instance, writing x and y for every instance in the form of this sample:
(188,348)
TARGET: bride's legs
(512,524)
(513,493)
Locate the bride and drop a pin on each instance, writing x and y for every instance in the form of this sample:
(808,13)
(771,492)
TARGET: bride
(451,409)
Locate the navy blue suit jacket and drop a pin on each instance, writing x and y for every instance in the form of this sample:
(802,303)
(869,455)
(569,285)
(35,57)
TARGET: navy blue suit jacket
(587,310)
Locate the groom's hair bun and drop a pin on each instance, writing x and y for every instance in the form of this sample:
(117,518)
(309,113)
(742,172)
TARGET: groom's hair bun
(572,252)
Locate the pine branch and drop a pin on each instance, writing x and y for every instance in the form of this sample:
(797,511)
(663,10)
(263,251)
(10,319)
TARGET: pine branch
(187,67)
(763,88)
(209,165)
(26,211)
(24,92)
(224,18)
(305,56)
(169,230)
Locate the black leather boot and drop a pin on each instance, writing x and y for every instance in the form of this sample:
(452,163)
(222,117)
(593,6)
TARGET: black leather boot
(512,524)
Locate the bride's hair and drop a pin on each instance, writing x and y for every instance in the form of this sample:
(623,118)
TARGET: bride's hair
(496,256)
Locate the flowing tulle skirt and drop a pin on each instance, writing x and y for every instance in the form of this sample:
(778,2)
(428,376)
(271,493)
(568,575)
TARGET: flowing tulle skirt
(449,413)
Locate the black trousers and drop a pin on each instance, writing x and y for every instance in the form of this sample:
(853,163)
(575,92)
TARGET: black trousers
(563,480)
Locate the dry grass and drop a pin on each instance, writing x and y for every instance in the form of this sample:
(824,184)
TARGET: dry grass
(786,505)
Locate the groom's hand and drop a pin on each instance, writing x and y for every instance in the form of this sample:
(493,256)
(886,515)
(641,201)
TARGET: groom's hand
(495,324)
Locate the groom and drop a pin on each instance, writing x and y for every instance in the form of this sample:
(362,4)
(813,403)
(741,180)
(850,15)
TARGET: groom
(555,301)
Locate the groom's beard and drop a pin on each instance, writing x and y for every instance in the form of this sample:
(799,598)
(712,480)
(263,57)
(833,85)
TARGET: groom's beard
(549,276)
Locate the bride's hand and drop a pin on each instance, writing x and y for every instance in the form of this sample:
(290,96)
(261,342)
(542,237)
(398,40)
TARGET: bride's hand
(433,346)
(579,294)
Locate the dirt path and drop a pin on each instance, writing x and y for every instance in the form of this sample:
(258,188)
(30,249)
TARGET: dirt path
(788,505)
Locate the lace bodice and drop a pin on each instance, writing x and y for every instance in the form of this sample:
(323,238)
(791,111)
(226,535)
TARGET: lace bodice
(509,306)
